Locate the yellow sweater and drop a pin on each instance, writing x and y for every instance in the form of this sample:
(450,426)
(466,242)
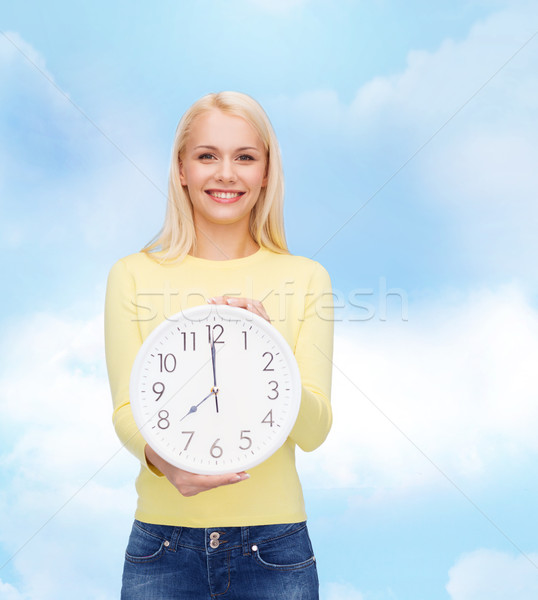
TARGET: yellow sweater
(296,293)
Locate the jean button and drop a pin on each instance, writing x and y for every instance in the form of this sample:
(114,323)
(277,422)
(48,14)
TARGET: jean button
(214,536)
(254,548)
(214,543)
(166,543)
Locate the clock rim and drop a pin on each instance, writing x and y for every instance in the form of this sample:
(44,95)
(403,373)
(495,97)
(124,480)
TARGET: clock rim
(206,311)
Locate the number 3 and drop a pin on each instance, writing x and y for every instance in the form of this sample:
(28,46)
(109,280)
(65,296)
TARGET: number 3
(273,389)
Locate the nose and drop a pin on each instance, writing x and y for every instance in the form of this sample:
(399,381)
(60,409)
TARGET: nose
(226,170)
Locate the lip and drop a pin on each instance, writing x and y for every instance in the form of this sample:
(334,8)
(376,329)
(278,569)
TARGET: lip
(239,195)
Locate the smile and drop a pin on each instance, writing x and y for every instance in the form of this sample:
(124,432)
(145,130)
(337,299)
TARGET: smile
(224,196)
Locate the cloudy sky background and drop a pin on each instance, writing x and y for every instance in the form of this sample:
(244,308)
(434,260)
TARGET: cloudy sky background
(409,133)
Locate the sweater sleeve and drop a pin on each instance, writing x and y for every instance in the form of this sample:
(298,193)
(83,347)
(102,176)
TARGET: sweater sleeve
(122,342)
(313,352)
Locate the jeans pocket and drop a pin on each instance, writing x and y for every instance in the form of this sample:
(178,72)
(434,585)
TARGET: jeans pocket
(144,545)
(289,553)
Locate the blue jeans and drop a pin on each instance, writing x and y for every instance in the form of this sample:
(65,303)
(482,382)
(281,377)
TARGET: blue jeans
(264,562)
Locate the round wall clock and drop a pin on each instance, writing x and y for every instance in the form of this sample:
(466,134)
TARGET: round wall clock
(215,389)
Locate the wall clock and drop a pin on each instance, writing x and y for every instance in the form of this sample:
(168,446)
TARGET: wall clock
(215,389)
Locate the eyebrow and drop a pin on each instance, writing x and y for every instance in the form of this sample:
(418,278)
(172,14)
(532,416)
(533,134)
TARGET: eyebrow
(242,149)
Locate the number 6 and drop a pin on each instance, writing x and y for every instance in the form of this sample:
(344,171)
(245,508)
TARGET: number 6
(216,451)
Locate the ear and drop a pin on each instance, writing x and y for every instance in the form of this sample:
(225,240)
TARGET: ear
(182,177)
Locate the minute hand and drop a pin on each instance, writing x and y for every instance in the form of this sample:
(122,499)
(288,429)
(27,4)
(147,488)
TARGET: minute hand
(213,355)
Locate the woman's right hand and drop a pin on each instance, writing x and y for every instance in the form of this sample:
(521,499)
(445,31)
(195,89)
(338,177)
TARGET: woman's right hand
(190,484)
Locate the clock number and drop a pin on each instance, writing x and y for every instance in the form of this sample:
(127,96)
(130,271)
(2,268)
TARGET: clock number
(268,418)
(158,390)
(246,438)
(193,336)
(274,389)
(190,438)
(167,362)
(163,422)
(216,451)
(267,368)
(245,338)
(216,338)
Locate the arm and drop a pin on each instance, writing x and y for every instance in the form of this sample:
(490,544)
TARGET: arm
(122,342)
(313,352)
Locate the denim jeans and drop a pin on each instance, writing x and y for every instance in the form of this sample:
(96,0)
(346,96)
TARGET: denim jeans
(264,562)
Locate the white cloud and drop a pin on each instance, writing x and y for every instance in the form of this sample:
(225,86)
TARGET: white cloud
(435,84)
(341,591)
(57,434)
(458,378)
(8,592)
(491,575)
(63,182)
(479,170)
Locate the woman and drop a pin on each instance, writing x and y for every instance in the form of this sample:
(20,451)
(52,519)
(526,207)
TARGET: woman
(222,242)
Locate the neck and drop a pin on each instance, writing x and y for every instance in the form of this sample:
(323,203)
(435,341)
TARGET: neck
(224,244)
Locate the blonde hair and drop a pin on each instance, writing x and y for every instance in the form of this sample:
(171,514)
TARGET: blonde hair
(178,237)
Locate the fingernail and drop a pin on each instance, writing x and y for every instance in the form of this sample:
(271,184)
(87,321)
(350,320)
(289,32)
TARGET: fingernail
(211,300)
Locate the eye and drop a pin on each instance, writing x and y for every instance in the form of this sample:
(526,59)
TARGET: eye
(246,157)
(205,156)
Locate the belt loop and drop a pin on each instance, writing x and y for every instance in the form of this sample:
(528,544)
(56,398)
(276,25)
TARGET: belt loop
(244,541)
(174,539)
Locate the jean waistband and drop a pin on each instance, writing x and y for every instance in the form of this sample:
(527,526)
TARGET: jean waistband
(218,539)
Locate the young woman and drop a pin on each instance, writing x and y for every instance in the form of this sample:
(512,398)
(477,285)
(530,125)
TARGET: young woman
(240,536)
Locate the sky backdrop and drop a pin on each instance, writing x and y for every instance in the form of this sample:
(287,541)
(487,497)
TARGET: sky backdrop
(409,134)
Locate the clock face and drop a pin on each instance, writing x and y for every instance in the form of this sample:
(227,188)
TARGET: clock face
(215,389)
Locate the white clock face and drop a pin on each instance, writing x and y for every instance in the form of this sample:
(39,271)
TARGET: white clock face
(215,389)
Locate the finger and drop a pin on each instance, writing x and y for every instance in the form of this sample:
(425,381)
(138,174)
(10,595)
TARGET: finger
(254,306)
(192,484)
(257,306)
(217,300)
(231,300)
(213,481)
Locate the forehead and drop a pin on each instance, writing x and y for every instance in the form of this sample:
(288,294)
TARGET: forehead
(215,128)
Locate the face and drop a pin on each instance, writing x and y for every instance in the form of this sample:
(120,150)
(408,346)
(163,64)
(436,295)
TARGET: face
(223,168)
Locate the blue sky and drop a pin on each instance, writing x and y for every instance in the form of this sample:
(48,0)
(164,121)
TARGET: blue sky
(409,138)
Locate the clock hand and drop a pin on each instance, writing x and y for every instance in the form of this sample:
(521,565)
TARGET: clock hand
(194,408)
(213,353)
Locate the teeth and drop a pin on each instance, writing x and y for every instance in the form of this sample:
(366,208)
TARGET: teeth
(225,195)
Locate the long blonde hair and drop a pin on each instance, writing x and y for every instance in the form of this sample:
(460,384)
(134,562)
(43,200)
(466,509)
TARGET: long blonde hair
(178,237)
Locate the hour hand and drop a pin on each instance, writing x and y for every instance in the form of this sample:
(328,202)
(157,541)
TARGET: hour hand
(194,408)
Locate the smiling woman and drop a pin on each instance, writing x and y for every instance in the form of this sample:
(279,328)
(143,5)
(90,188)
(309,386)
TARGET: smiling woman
(223,180)
(198,536)
(241,117)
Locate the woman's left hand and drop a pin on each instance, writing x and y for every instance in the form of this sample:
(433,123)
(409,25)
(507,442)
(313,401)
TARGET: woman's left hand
(255,306)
